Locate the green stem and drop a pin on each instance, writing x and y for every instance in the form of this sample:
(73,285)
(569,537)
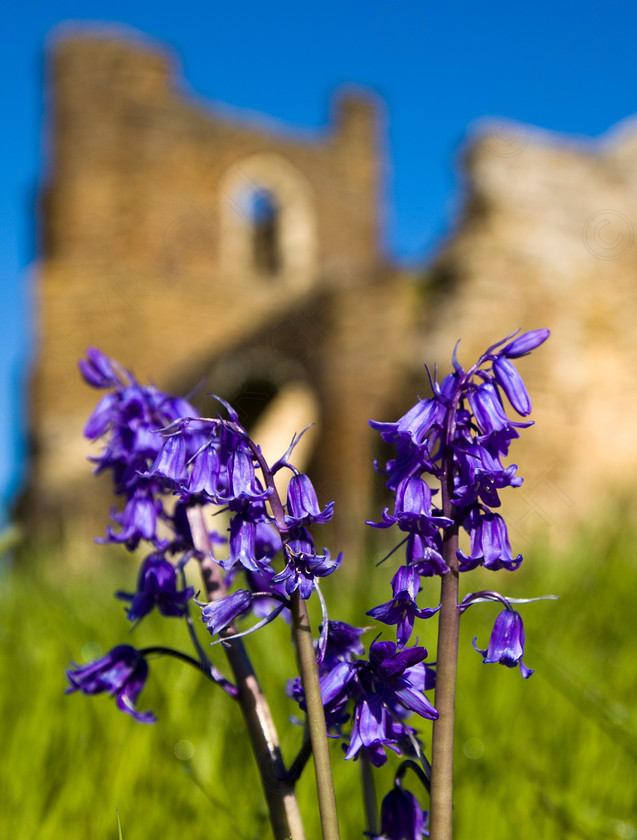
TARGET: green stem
(440,819)
(316,718)
(369,795)
(302,758)
(441,812)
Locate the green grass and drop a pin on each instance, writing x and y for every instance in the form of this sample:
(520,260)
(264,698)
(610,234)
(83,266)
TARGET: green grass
(552,757)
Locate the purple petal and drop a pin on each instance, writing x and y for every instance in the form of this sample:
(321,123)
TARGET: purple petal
(513,386)
(334,682)
(413,699)
(524,343)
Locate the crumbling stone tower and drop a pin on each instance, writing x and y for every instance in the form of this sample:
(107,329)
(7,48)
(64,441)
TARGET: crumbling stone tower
(194,248)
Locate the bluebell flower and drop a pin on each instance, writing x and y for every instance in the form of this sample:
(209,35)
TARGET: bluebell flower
(252,543)
(413,509)
(205,473)
(343,643)
(101,417)
(489,412)
(122,673)
(381,687)
(490,546)
(157,587)
(513,385)
(220,614)
(480,475)
(242,543)
(402,610)
(267,541)
(138,520)
(171,459)
(506,644)
(401,817)
(302,504)
(98,370)
(140,459)
(524,343)
(425,554)
(335,699)
(384,690)
(242,480)
(420,424)
(303,564)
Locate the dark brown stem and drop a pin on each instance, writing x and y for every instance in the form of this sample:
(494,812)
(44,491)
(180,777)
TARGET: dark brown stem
(204,666)
(283,808)
(298,765)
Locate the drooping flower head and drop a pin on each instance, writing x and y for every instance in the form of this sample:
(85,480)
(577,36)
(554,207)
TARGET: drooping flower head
(157,587)
(129,419)
(121,673)
(506,645)
(462,431)
(383,690)
(402,610)
(401,817)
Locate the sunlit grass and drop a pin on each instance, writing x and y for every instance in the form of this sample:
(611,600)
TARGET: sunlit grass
(552,757)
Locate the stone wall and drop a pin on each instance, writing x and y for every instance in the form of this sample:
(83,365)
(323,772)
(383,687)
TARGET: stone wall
(147,253)
(547,239)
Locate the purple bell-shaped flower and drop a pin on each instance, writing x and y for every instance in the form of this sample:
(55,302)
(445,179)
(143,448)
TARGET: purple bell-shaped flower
(121,673)
(506,644)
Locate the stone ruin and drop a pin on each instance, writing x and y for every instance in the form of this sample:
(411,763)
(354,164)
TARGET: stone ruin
(224,255)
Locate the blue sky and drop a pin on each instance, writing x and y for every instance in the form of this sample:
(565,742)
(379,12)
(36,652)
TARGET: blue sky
(564,67)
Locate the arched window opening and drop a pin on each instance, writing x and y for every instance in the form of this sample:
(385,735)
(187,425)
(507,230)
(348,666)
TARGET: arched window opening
(267,224)
(265,218)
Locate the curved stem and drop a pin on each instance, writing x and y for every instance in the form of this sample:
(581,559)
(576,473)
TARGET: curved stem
(283,808)
(298,765)
(206,664)
(410,764)
(205,667)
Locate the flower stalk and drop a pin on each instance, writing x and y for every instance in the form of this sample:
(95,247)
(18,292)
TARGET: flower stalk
(308,665)
(316,718)
(440,816)
(441,809)
(283,809)
(157,447)
(370,803)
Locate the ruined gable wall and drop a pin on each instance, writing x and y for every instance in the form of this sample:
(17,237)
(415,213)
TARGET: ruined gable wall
(548,240)
(144,249)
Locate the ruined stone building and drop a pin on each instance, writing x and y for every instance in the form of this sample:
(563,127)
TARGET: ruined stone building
(547,238)
(204,251)
(207,253)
